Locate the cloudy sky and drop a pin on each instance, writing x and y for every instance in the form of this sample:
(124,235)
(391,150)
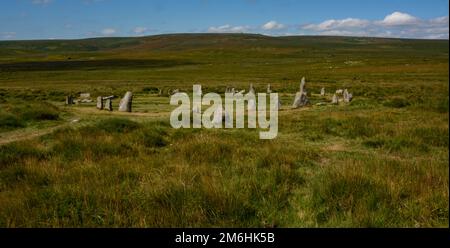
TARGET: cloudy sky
(73,19)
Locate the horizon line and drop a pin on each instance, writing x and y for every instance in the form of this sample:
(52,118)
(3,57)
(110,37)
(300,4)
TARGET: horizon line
(225,33)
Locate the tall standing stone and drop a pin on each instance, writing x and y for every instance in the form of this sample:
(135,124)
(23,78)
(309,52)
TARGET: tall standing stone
(301,98)
(251,90)
(126,102)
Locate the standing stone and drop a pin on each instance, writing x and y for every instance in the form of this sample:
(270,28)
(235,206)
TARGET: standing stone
(108,105)
(301,98)
(278,106)
(347,96)
(69,100)
(269,90)
(335,99)
(322,91)
(100,102)
(251,90)
(126,102)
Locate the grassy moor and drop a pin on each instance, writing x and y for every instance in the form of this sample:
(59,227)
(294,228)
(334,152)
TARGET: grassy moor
(380,160)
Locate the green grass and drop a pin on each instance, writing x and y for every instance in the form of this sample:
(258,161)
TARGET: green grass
(19,114)
(380,161)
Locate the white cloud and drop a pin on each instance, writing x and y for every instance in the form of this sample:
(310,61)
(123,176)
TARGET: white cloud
(41,2)
(273,25)
(229,29)
(440,20)
(399,18)
(338,24)
(108,31)
(8,35)
(397,24)
(140,30)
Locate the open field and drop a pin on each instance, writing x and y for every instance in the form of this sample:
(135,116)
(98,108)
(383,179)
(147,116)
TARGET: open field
(379,161)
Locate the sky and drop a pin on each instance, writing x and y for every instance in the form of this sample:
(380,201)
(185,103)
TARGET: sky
(76,19)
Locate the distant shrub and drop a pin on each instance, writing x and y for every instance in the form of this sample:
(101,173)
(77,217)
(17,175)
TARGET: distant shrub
(374,143)
(152,137)
(39,112)
(117,125)
(150,90)
(397,103)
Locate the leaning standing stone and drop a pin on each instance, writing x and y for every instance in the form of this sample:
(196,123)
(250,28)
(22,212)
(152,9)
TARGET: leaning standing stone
(126,102)
(301,98)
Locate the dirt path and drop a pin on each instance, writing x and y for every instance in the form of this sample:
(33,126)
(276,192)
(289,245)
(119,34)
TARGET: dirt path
(27,133)
(33,132)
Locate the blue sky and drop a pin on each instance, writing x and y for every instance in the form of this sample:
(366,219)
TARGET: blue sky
(73,19)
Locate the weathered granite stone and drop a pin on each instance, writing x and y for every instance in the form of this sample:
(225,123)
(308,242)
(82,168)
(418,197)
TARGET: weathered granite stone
(69,100)
(322,92)
(108,105)
(269,89)
(301,98)
(335,99)
(126,102)
(251,90)
(347,96)
(100,102)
